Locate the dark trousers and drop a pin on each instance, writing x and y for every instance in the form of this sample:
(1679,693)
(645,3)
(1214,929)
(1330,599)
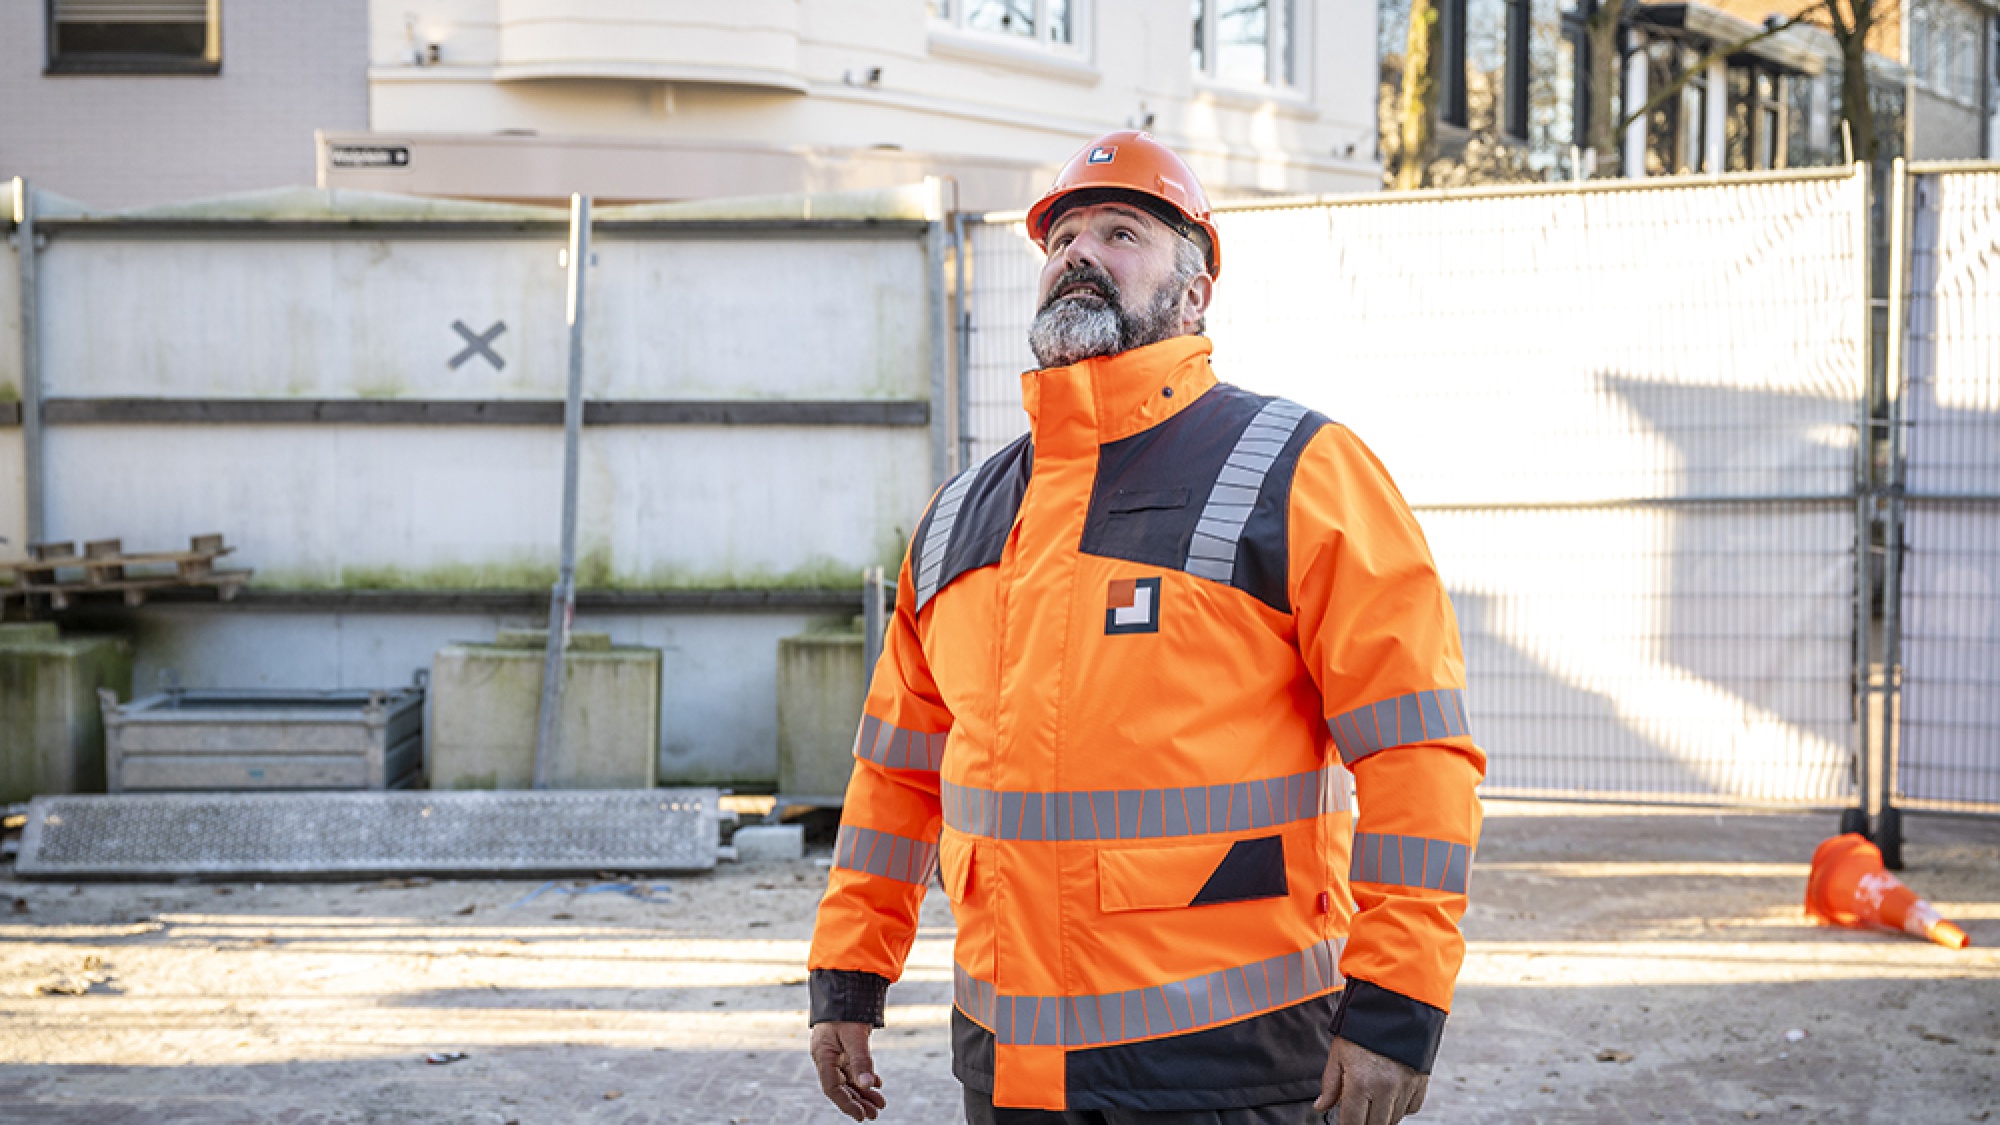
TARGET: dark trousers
(979,1110)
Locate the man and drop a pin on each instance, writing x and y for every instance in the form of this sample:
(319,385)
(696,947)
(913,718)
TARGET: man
(1134,658)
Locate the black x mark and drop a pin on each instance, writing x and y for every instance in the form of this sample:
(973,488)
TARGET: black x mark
(476,344)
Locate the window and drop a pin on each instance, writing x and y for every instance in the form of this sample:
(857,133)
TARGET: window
(1677,128)
(1944,49)
(1246,42)
(1485,76)
(1768,124)
(134,36)
(1047,23)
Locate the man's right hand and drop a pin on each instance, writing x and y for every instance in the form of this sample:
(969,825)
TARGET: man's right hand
(846,1072)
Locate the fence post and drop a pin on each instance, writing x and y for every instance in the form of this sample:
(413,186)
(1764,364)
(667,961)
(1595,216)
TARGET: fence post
(562,600)
(25,249)
(1888,818)
(963,383)
(1856,818)
(874,613)
(940,329)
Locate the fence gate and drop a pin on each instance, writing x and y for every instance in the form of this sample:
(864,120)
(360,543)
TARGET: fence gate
(1628,417)
(1945,625)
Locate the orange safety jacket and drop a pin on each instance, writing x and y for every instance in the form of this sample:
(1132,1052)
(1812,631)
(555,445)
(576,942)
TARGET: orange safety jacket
(1143,664)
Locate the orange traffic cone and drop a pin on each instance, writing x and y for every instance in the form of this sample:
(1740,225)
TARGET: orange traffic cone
(1849,887)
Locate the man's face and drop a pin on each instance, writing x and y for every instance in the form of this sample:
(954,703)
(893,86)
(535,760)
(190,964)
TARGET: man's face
(1111,283)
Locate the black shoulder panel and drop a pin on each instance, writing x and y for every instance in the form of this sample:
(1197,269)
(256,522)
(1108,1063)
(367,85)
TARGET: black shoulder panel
(1263,564)
(1155,491)
(968,524)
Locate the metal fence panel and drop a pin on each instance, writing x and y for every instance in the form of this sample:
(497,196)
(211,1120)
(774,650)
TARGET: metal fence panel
(1948,752)
(1628,422)
(244,317)
(1003,269)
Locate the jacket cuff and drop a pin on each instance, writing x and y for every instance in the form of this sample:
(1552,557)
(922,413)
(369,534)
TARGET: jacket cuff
(847,996)
(1390,1024)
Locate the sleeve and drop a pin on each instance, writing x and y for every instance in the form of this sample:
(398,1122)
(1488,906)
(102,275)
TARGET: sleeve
(887,844)
(1379,637)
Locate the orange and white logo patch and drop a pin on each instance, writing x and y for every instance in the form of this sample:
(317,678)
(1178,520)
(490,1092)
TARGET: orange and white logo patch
(1132,605)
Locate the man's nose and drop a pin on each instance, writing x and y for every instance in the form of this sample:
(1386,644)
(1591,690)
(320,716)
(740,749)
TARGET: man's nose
(1080,251)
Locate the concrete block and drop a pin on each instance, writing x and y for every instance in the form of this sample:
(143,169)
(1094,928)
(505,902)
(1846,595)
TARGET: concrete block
(51,731)
(486,703)
(758,842)
(821,685)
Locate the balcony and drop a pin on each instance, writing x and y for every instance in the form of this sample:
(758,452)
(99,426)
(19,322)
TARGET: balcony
(745,43)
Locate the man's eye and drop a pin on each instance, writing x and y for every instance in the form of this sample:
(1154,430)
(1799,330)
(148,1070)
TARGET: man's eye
(1125,234)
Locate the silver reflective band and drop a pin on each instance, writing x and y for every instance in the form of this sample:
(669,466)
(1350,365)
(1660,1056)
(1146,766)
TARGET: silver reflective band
(930,561)
(1417,717)
(1410,861)
(889,745)
(1168,1009)
(1147,814)
(1213,552)
(880,853)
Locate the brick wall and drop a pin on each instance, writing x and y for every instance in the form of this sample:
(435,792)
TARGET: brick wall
(115,141)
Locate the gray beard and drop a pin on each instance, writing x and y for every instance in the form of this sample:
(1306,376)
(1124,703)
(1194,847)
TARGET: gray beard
(1066,332)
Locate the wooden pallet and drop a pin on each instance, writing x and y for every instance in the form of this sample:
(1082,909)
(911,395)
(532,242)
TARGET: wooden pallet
(103,566)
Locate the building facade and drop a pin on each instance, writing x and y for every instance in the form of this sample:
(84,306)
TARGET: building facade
(1954,58)
(124,103)
(624,99)
(1725,86)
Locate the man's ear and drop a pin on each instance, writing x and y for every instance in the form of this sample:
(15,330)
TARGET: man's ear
(1194,305)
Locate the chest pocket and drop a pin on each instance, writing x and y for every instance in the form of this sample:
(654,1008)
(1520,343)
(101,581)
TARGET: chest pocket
(1164,500)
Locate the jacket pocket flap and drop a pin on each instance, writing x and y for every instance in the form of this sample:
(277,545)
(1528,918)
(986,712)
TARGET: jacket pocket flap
(1123,501)
(955,865)
(1155,878)
(1191,875)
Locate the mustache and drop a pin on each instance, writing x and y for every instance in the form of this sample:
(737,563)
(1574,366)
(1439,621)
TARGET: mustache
(1084,274)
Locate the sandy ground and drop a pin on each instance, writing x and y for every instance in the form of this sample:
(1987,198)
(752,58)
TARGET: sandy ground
(1624,965)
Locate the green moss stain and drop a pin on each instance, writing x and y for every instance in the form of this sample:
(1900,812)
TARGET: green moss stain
(491,576)
(9,393)
(594,571)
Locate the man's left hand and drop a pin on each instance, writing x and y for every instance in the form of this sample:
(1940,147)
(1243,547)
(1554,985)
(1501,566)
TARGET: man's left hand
(1368,1088)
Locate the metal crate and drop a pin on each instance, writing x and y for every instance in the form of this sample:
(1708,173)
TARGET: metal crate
(256,740)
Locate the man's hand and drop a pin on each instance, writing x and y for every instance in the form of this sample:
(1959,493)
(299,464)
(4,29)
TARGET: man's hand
(846,1072)
(1370,1089)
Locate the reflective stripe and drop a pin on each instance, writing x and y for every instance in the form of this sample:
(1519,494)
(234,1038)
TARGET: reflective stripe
(880,853)
(1147,814)
(1417,717)
(1212,554)
(1181,1006)
(889,745)
(1410,861)
(930,561)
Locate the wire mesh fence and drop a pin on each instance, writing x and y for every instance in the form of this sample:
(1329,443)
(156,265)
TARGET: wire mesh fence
(1004,266)
(1947,749)
(1628,421)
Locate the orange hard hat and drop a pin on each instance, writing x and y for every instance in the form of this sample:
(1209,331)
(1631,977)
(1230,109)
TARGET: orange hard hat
(1133,166)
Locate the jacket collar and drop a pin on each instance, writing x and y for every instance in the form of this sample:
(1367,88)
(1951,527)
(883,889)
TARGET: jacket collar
(1073,410)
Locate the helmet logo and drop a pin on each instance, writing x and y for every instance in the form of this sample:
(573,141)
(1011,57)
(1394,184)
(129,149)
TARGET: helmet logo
(1102,154)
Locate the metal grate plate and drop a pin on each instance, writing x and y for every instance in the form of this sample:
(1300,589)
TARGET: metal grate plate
(356,835)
